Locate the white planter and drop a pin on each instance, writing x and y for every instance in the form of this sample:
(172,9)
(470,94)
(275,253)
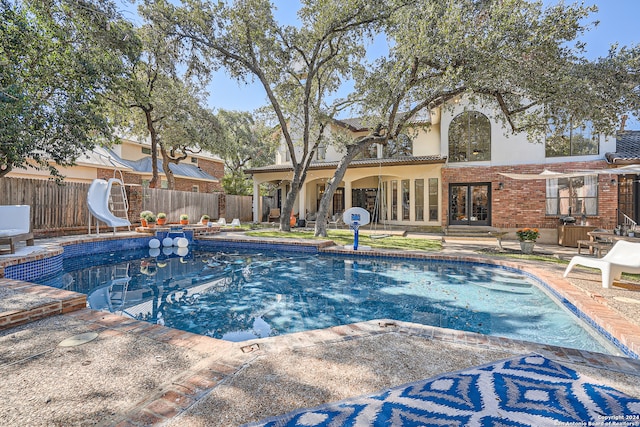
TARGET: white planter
(527,246)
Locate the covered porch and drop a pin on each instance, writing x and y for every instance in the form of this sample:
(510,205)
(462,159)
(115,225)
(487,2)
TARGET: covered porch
(402,191)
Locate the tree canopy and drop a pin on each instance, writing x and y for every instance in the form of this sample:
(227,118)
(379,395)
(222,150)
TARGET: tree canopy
(57,58)
(244,141)
(155,98)
(513,55)
(298,67)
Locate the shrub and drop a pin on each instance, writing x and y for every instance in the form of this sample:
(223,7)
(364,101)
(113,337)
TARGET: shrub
(184,217)
(162,215)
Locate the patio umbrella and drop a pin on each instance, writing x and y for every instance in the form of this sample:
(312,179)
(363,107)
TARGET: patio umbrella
(545,174)
(623,170)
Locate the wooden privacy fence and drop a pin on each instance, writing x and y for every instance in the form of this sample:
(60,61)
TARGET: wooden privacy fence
(176,203)
(59,207)
(53,206)
(216,205)
(239,207)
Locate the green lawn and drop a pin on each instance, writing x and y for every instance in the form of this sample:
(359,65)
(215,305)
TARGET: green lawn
(345,237)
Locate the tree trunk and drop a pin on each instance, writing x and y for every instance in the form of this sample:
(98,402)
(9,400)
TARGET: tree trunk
(171,179)
(4,170)
(322,217)
(154,148)
(332,185)
(287,209)
(299,177)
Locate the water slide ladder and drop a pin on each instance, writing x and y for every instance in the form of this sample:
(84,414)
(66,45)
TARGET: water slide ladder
(107,202)
(118,202)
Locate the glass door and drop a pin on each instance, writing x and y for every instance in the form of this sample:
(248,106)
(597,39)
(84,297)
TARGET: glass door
(628,200)
(469,204)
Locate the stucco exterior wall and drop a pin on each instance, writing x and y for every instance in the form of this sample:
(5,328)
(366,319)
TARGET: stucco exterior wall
(508,148)
(131,150)
(427,141)
(71,174)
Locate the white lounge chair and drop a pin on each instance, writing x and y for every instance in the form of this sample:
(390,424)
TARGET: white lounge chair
(235,223)
(624,257)
(15,226)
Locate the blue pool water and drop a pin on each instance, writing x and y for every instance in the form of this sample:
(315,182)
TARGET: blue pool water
(238,295)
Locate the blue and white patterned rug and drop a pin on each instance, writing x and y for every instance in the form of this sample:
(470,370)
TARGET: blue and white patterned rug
(523,391)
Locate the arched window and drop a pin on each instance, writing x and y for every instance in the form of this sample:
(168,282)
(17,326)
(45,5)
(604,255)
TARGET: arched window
(470,137)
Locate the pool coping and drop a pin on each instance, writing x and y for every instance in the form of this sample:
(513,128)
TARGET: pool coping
(52,302)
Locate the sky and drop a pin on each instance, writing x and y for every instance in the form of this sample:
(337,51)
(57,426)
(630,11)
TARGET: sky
(618,22)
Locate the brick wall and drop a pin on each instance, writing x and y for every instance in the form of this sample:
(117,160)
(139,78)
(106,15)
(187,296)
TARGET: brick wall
(129,178)
(134,196)
(213,168)
(186,184)
(522,203)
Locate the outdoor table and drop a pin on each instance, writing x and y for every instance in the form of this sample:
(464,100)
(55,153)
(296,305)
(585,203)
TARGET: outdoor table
(603,240)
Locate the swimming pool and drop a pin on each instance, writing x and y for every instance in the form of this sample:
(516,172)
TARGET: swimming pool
(240,294)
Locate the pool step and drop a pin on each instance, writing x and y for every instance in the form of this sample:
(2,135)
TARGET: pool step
(27,302)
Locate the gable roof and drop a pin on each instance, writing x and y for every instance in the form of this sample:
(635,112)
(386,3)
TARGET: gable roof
(102,157)
(184,170)
(627,149)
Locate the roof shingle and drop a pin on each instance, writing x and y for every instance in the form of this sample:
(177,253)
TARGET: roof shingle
(627,148)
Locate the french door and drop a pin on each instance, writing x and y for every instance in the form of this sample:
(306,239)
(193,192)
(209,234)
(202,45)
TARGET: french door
(470,204)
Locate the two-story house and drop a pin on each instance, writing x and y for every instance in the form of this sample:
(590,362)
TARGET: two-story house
(467,169)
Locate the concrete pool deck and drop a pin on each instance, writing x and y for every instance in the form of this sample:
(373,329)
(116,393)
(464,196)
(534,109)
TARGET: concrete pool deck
(135,373)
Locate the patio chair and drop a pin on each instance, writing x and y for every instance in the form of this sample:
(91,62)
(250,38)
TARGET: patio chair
(336,220)
(624,257)
(15,226)
(274,214)
(222,222)
(235,223)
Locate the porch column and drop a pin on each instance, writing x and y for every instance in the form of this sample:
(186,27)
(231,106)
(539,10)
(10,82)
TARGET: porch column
(348,203)
(256,201)
(302,201)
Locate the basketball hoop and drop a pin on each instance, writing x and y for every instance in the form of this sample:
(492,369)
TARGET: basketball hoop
(354,218)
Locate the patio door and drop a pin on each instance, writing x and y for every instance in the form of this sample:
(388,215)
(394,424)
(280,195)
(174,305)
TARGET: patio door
(470,204)
(629,198)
